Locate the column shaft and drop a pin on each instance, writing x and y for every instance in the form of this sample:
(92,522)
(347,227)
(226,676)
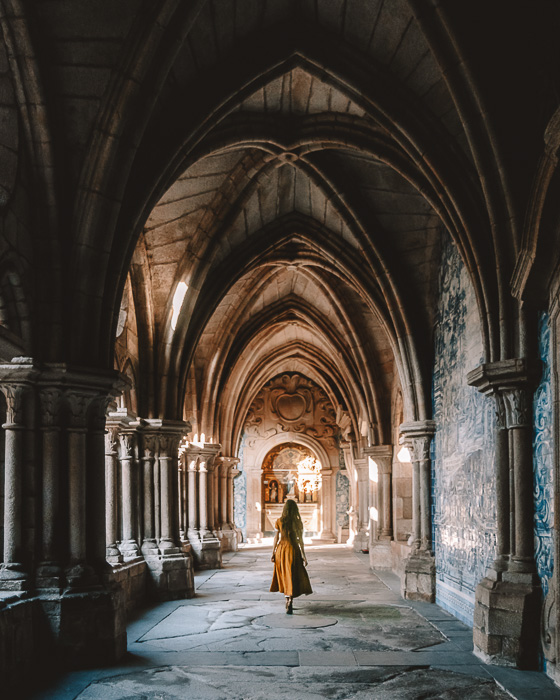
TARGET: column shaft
(77,494)
(12,495)
(202,499)
(192,513)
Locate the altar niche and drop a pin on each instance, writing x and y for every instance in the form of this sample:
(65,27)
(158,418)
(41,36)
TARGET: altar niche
(291,471)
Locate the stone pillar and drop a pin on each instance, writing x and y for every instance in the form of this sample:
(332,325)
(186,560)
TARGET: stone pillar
(361,543)
(87,621)
(508,599)
(78,574)
(49,573)
(12,572)
(380,555)
(229,533)
(328,504)
(171,568)
(167,449)
(419,573)
(192,471)
(96,541)
(216,499)
(129,545)
(113,553)
(203,531)
(182,489)
(206,546)
(149,544)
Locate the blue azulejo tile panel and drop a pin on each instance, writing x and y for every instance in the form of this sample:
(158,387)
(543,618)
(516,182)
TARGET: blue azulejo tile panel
(463,485)
(342,499)
(543,460)
(240,495)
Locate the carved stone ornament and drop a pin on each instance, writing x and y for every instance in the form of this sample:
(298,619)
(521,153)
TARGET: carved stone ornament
(127,445)
(517,408)
(149,446)
(421,449)
(50,406)
(501,418)
(292,403)
(78,403)
(111,441)
(14,402)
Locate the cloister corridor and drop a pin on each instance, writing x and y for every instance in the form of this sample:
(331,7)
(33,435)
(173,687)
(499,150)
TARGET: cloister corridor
(353,638)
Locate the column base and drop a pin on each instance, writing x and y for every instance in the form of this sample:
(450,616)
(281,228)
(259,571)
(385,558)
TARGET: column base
(361,542)
(85,629)
(506,619)
(381,555)
(113,555)
(171,577)
(13,578)
(81,577)
(149,548)
(419,581)
(129,550)
(229,540)
(49,576)
(207,552)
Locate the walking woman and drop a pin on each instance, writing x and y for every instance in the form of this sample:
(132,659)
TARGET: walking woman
(288,555)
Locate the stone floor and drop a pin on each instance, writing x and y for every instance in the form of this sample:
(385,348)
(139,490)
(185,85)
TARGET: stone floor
(355,637)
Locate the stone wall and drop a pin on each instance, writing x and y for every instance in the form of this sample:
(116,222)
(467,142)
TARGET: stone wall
(133,580)
(463,448)
(543,460)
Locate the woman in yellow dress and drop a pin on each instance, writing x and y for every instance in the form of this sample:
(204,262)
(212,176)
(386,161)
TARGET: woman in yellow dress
(288,555)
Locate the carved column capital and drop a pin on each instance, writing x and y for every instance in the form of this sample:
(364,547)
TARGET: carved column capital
(50,399)
(382,455)
(14,394)
(78,403)
(149,445)
(517,407)
(111,442)
(127,443)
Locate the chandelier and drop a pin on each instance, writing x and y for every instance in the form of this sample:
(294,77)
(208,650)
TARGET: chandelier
(309,475)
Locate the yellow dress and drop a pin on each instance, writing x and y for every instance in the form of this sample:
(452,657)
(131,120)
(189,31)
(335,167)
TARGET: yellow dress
(290,576)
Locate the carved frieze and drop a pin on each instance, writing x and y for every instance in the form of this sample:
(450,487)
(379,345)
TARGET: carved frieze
(291,403)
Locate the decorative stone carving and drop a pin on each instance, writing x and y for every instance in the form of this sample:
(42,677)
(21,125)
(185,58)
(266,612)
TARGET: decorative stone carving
(518,411)
(291,403)
(14,402)
(50,406)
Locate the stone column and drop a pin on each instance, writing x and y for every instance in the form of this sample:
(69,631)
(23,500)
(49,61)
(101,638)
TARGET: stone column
(129,545)
(96,541)
(216,499)
(508,599)
(328,505)
(78,573)
(12,572)
(167,447)
(419,574)
(206,547)
(380,554)
(518,418)
(49,574)
(192,471)
(361,543)
(229,534)
(182,489)
(149,544)
(204,532)
(111,505)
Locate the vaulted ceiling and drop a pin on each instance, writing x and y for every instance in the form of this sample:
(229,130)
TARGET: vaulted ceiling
(295,163)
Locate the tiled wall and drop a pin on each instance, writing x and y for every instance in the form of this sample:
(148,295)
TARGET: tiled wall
(463,492)
(342,497)
(543,462)
(240,494)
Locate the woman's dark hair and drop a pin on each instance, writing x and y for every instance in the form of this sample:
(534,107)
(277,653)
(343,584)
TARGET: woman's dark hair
(291,519)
